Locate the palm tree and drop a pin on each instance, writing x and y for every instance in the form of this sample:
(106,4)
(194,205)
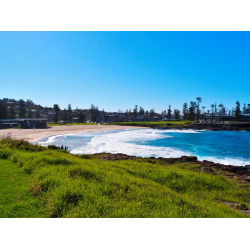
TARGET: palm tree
(199,100)
(198,107)
(185,110)
(212,106)
(203,107)
(221,108)
(237,111)
(248,108)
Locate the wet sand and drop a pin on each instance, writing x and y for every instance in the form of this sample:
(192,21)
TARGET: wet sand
(33,135)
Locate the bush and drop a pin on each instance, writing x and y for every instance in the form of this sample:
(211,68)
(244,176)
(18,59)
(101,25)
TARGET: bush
(5,153)
(54,147)
(21,144)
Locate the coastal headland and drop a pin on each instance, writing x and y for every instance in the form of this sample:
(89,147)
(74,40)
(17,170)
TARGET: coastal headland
(32,135)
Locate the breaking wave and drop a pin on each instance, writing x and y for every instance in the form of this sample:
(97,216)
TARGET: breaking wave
(158,143)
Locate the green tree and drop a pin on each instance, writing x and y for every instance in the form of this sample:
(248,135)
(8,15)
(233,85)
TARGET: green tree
(169,112)
(93,113)
(232,112)
(248,108)
(97,112)
(212,106)
(22,109)
(37,113)
(237,111)
(57,109)
(244,108)
(3,110)
(191,111)
(70,113)
(177,114)
(141,111)
(12,114)
(135,112)
(151,113)
(203,108)
(30,113)
(81,117)
(65,115)
(185,110)
(198,112)
(221,109)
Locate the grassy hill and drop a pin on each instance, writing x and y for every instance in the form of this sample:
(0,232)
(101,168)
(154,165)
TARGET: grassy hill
(41,182)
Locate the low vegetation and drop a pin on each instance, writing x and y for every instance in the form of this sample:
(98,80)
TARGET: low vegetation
(160,123)
(67,124)
(42,182)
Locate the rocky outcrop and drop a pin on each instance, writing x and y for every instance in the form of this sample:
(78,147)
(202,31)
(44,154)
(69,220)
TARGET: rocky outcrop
(240,172)
(114,157)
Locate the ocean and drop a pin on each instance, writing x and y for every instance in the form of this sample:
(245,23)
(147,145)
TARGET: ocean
(226,147)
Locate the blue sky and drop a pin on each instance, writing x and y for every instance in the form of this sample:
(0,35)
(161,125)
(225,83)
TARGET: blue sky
(116,70)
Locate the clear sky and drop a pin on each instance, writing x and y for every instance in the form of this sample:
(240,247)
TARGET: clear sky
(116,70)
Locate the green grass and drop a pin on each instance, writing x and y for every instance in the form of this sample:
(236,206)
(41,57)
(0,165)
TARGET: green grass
(160,123)
(15,198)
(74,123)
(41,182)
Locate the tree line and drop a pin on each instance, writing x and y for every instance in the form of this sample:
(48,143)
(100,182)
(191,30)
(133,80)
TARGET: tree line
(67,114)
(13,112)
(193,111)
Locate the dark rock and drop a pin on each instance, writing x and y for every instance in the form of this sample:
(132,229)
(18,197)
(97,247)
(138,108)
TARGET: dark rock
(189,158)
(247,178)
(241,173)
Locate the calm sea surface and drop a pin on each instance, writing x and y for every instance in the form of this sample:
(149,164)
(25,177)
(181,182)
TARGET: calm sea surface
(227,147)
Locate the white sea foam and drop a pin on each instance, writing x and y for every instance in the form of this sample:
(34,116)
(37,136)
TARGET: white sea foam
(50,139)
(186,131)
(226,161)
(125,141)
(55,137)
(122,142)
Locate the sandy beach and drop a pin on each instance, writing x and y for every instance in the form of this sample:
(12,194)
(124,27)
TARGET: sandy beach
(33,135)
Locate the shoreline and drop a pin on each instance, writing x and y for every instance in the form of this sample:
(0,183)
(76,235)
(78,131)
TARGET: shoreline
(244,126)
(33,135)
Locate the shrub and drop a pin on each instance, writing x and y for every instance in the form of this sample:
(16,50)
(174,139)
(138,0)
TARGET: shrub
(54,147)
(5,153)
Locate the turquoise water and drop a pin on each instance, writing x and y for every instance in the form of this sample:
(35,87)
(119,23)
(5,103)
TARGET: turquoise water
(227,147)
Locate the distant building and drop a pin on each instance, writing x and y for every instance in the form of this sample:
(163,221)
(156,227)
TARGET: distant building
(244,118)
(144,119)
(108,118)
(75,119)
(24,123)
(225,117)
